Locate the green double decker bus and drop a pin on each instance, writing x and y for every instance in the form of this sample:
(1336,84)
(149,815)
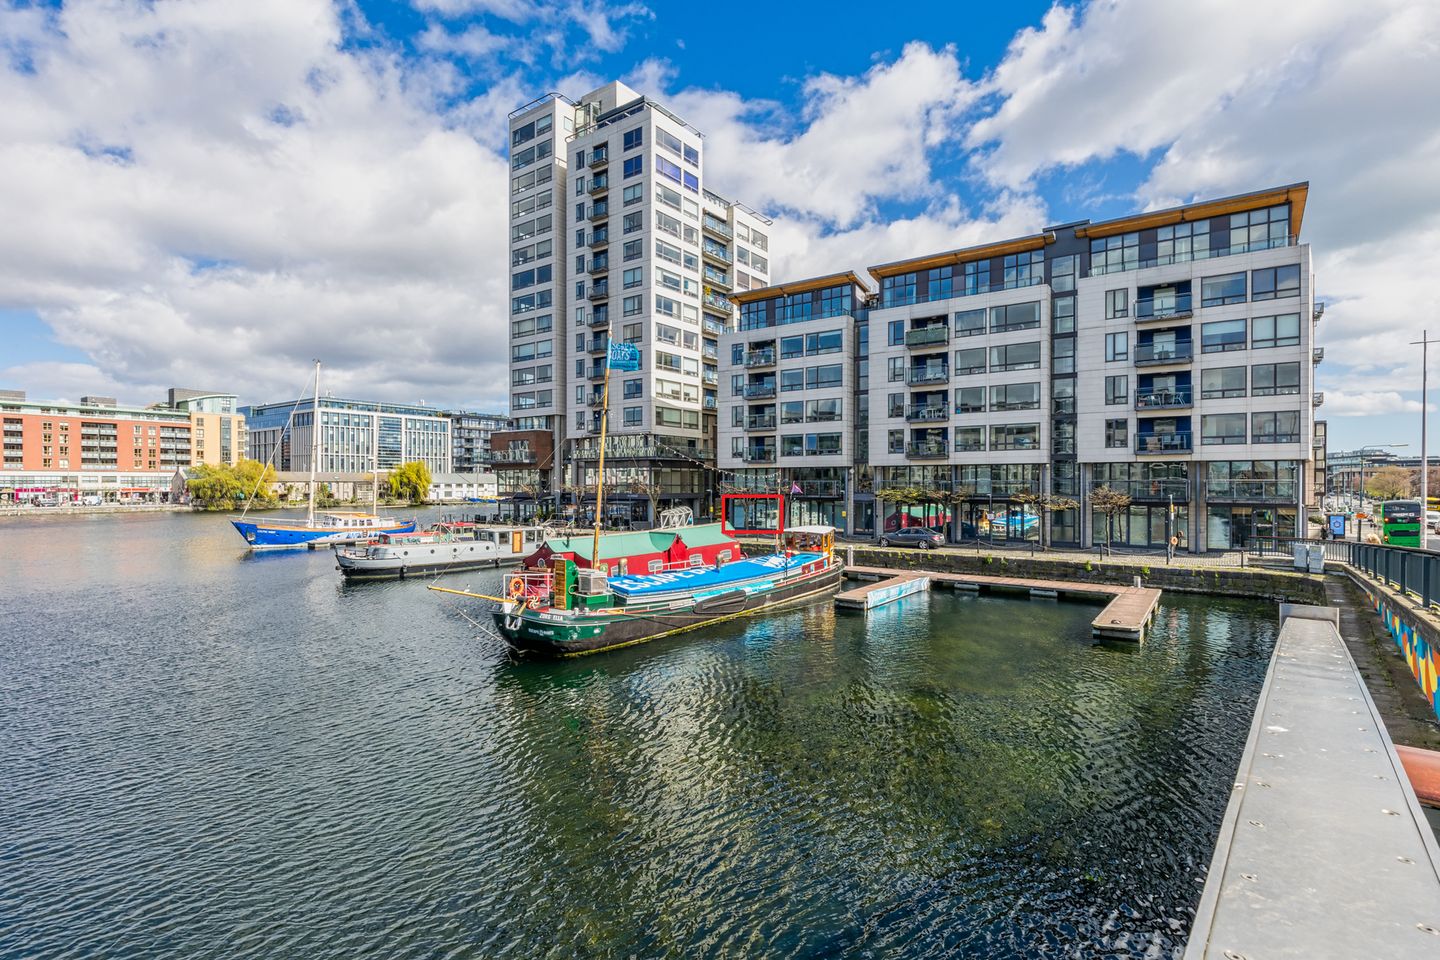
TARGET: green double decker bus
(1402,523)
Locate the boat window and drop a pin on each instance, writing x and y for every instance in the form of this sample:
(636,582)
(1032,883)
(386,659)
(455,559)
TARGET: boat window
(655,566)
(696,559)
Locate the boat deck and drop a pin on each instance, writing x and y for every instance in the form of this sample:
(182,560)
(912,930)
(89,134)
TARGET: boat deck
(1126,617)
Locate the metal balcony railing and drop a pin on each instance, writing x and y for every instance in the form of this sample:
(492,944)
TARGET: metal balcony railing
(932,336)
(1317,354)
(1146,310)
(759,390)
(929,411)
(715,253)
(716,302)
(598,158)
(600,318)
(600,211)
(1252,491)
(599,185)
(1163,399)
(598,267)
(759,455)
(1318,399)
(760,422)
(716,227)
(1159,443)
(599,291)
(1147,354)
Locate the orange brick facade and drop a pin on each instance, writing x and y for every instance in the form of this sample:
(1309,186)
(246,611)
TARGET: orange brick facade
(113,441)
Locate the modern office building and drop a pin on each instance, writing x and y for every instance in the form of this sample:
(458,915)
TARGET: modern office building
(613,233)
(359,435)
(470,435)
(1168,355)
(217,434)
(54,448)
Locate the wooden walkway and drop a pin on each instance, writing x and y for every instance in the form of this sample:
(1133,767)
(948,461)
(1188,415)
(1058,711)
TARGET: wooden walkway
(1125,617)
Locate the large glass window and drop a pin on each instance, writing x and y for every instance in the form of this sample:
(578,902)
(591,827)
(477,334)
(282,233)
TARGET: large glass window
(1015,396)
(826,375)
(1117,303)
(1275,426)
(1062,355)
(634,193)
(971,360)
(1115,254)
(820,411)
(1218,291)
(1015,356)
(792,380)
(1273,283)
(896,330)
(1015,316)
(969,323)
(828,341)
(1117,346)
(1222,428)
(1220,382)
(633,138)
(791,347)
(1117,433)
(970,400)
(1014,436)
(969,438)
(1274,379)
(1281,331)
(1222,335)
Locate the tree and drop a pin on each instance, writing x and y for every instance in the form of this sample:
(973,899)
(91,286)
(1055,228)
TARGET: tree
(1109,503)
(411,481)
(651,491)
(1045,504)
(218,487)
(1389,483)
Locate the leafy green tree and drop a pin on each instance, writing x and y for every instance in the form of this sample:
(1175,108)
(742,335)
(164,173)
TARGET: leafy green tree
(218,487)
(411,481)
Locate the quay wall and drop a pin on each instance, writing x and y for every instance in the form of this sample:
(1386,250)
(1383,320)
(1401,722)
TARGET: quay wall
(1415,632)
(1269,584)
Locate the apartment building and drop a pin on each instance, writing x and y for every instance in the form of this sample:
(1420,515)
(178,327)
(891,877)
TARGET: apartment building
(54,448)
(630,244)
(470,439)
(793,378)
(359,436)
(1169,355)
(217,428)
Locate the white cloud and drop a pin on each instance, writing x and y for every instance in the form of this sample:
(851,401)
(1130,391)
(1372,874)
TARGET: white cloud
(474,42)
(858,140)
(1245,94)
(208,195)
(515,10)
(1374,403)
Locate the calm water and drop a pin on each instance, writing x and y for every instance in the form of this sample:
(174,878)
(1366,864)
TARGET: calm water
(210,754)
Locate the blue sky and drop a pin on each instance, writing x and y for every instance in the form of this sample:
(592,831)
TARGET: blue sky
(207,193)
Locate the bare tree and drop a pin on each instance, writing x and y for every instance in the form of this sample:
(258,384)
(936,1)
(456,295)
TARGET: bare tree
(1109,502)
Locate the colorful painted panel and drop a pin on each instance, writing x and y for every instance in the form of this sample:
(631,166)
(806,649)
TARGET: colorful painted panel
(1422,657)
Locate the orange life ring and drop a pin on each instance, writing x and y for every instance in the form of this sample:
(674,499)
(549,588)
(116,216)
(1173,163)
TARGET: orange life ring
(517,586)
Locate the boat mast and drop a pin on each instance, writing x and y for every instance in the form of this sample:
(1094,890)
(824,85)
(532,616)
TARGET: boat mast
(600,476)
(314,447)
(375,474)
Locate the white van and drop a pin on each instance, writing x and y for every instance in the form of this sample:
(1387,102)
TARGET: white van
(91,500)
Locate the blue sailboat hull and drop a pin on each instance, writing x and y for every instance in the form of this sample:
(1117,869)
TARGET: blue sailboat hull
(261,535)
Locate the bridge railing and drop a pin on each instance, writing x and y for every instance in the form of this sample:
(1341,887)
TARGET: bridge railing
(1416,572)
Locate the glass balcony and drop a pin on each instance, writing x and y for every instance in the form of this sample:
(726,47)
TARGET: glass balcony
(1251,491)
(716,252)
(1149,354)
(716,302)
(927,449)
(600,318)
(760,358)
(598,158)
(760,422)
(1173,308)
(599,291)
(600,237)
(1162,443)
(1317,354)
(928,411)
(916,376)
(716,227)
(1163,399)
(599,267)
(931,336)
(759,455)
(599,211)
(754,391)
(599,185)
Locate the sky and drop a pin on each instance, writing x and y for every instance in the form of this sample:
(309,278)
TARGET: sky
(209,194)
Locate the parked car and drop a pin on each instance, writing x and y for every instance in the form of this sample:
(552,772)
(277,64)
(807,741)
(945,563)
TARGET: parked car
(91,500)
(1432,520)
(922,537)
(47,502)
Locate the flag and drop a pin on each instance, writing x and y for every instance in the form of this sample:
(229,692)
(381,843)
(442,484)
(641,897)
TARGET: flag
(795,488)
(623,356)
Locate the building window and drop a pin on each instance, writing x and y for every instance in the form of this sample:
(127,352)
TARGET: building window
(1281,331)
(634,416)
(1062,353)
(895,404)
(1117,303)
(897,369)
(969,439)
(634,166)
(1062,315)
(791,347)
(1015,356)
(895,441)
(1222,382)
(632,306)
(1015,396)
(633,277)
(1274,379)
(1117,433)
(971,360)
(1273,283)
(792,411)
(632,222)
(633,138)
(1115,254)
(897,332)
(1117,346)
(632,332)
(1222,335)
(969,323)
(970,400)
(1117,390)
(634,193)
(1015,436)
(827,375)
(1218,291)
(1015,316)
(633,389)
(791,380)
(1222,428)
(1277,426)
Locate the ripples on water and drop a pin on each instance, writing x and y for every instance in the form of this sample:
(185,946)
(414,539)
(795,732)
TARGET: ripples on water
(206,754)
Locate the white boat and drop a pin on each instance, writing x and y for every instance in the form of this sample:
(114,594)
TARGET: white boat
(446,547)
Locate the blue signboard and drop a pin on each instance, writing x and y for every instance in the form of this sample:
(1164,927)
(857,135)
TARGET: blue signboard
(623,356)
(1337,525)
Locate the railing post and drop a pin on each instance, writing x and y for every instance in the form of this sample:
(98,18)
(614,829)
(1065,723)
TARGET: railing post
(1425,582)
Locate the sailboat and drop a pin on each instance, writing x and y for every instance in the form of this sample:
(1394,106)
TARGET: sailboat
(564,610)
(317,528)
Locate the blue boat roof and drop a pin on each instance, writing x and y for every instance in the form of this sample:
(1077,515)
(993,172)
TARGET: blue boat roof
(698,579)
